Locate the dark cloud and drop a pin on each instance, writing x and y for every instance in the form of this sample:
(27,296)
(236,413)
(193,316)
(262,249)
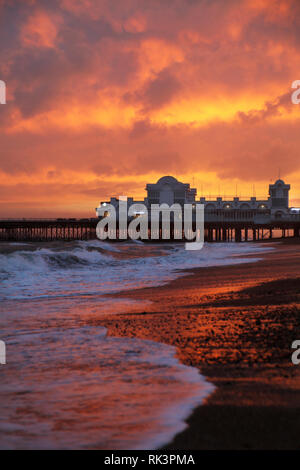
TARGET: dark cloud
(270,109)
(160,91)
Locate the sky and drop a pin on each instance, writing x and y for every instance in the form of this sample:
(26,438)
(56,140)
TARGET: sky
(105,96)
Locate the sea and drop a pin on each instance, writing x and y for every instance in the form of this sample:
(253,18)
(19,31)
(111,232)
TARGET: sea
(66,384)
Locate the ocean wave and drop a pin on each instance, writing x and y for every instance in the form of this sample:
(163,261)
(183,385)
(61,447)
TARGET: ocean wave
(116,393)
(41,259)
(76,382)
(87,269)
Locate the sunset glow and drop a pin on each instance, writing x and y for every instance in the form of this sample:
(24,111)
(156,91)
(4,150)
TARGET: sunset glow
(103,98)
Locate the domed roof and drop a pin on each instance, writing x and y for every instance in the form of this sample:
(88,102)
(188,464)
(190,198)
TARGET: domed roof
(167,180)
(279,182)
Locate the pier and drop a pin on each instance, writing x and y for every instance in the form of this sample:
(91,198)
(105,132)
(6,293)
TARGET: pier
(38,230)
(47,230)
(227,220)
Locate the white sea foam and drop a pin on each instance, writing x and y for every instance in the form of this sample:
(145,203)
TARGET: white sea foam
(79,388)
(116,393)
(88,269)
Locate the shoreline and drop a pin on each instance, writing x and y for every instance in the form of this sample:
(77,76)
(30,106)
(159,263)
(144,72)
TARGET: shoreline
(208,314)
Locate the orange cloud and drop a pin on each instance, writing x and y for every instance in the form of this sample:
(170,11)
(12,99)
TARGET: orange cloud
(40,30)
(104,97)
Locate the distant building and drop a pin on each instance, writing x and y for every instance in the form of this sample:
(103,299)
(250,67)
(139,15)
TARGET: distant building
(279,197)
(171,191)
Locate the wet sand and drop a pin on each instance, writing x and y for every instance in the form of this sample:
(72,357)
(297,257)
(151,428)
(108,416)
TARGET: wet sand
(236,324)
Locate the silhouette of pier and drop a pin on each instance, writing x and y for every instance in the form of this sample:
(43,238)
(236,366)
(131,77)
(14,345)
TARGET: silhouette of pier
(215,229)
(47,229)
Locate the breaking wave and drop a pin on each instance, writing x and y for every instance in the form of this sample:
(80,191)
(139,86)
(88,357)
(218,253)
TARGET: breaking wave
(66,384)
(97,268)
